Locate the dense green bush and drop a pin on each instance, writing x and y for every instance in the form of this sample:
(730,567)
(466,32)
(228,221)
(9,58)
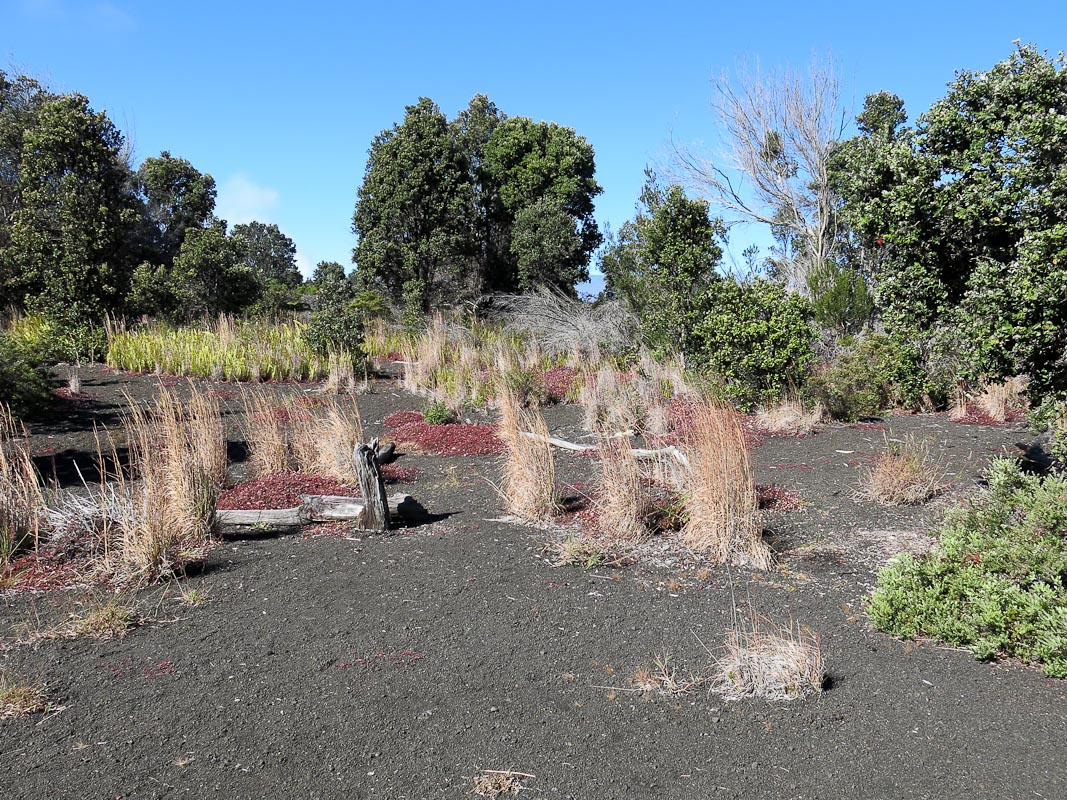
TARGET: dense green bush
(437,413)
(871,376)
(22,387)
(756,337)
(998,585)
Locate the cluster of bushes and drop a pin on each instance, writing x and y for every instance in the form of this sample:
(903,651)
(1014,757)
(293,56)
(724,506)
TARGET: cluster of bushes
(998,582)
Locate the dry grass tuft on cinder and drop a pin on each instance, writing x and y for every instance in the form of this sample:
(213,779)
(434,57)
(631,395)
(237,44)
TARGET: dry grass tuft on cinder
(722,506)
(323,438)
(761,659)
(529,480)
(905,475)
(178,465)
(998,400)
(498,782)
(790,417)
(22,502)
(623,496)
(18,699)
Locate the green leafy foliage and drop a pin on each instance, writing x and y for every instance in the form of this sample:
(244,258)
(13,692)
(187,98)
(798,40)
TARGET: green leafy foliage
(336,325)
(961,218)
(876,374)
(438,413)
(755,336)
(23,389)
(998,585)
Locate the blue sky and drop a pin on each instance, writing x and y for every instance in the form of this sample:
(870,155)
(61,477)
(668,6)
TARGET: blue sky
(279,101)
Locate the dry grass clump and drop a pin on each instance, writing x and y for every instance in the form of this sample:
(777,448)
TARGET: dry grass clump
(623,496)
(318,439)
(790,417)
(722,505)
(529,480)
(498,782)
(905,475)
(18,699)
(663,678)
(323,438)
(610,403)
(587,551)
(761,659)
(22,502)
(998,400)
(178,463)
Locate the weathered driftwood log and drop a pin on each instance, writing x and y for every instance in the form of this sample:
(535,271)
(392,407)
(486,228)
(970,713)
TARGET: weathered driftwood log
(638,452)
(320,508)
(372,487)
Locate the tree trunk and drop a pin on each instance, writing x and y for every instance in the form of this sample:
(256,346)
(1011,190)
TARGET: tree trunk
(376,504)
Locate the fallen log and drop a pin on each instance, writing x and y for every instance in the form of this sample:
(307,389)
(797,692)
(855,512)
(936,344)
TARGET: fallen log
(320,508)
(638,452)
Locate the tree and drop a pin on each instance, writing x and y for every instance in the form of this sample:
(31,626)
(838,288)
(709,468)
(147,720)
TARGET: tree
(966,211)
(21,99)
(779,132)
(413,215)
(70,233)
(663,260)
(269,253)
(544,163)
(176,197)
(208,276)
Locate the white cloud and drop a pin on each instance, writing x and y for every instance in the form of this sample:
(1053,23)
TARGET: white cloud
(241,200)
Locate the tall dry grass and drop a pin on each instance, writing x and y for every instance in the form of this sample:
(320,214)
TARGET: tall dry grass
(177,468)
(529,480)
(623,496)
(22,500)
(906,474)
(316,439)
(721,502)
(790,416)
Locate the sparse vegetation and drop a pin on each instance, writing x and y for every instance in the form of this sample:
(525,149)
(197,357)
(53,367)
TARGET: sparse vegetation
(721,500)
(20,699)
(905,475)
(761,659)
(22,501)
(528,484)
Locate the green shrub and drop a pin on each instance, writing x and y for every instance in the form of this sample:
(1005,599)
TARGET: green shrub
(998,585)
(438,413)
(872,376)
(22,387)
(756,337)
(1051,417)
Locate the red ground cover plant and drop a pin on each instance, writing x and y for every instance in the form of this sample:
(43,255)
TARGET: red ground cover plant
(53,567)
(562,384)
(283,489)
(777,498)
(975,416)
(409,427)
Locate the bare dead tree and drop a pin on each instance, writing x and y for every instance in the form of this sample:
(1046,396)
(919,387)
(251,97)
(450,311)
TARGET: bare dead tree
(778,131)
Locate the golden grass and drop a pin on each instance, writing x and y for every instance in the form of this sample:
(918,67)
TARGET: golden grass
(529,480)
(905,475)
(178,463)
(322,438)
(265,434)
(998,400)
(791,417)
(19,699)
(623,496)
(721,503)
(761,659)
(22,502)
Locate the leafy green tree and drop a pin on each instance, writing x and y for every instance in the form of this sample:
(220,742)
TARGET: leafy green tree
(268,252)
(962,209)
(547,247)
(176,197)
(69,236)
(208,275)
(662,261)
(336,325)
(413,215)
(542,162)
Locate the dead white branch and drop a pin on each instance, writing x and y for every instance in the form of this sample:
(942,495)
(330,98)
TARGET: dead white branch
(638,452)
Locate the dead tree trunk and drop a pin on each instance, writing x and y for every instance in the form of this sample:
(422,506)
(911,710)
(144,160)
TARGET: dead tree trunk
(320,508)
(376,510)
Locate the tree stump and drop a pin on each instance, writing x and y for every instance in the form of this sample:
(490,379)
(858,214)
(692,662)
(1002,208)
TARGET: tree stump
(376,510)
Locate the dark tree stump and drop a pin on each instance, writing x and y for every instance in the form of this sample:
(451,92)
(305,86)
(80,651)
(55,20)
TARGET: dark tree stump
(376,511)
